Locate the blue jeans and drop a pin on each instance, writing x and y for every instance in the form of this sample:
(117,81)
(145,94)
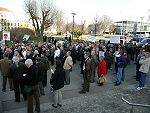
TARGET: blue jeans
(123,76)
(119,75)
(142,79)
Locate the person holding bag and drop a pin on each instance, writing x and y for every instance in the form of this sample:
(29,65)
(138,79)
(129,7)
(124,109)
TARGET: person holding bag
(57,82)
(101,71)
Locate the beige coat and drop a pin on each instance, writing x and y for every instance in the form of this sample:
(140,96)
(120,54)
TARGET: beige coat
(4,66)
(68,63)
(145,64)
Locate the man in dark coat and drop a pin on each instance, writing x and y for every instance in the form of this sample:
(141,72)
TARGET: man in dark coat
(40,67)
(16,71)
(45,61)
(44,38)
(73,54)
(31,80)
(86,73)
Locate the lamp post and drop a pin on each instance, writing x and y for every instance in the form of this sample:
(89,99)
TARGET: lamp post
(73,14)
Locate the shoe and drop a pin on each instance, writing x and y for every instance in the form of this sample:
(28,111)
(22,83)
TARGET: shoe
(117,84)
(42,93)
(82,92)
(100,84)
(139,88)
(59,105)
(54,106)
(37,111)
(4,90)
(87,90)
(17,101)
(11,89)
(91,81)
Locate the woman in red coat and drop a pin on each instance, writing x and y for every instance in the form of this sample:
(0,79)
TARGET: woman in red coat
(102,69)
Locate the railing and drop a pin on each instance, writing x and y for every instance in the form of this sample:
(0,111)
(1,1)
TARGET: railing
(134,104)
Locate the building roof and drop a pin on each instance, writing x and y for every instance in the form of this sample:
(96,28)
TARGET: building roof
(4,9)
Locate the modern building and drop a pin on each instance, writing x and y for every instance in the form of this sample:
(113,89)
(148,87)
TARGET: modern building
(8,21)
(132,27)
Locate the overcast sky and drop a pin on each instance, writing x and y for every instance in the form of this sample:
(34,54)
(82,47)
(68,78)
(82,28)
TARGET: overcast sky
(87,9)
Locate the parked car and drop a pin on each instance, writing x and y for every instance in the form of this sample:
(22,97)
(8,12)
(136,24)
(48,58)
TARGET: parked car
(144,42)
(138,38)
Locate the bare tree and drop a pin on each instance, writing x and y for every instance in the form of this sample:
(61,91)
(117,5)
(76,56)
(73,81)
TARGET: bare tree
(111,28)
(101,24)
(42,13)
(105,23)
(60,24)
(69,27)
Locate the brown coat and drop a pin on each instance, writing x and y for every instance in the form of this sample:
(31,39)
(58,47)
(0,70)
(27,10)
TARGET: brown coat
(94,62)
(4,66)
(88,67)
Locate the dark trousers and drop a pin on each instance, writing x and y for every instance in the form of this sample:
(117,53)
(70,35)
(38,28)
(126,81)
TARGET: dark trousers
(116,67)
(44,82)
(35,95)
(86,84)
(92,78)
(52,60)
(18,89)
(5,82)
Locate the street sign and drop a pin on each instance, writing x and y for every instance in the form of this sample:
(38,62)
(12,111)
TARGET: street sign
(6,35)
(26,37)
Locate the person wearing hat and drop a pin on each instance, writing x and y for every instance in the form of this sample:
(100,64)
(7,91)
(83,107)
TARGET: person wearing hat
(4,66)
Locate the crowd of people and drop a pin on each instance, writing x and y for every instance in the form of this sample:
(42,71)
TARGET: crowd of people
(25,66)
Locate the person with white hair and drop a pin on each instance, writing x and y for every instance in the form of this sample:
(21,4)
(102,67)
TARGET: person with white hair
(31,82)
(57,52)
(144,69)
(16,71)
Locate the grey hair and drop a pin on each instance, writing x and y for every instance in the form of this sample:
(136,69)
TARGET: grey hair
(28,61)
(15,60)
(69,53)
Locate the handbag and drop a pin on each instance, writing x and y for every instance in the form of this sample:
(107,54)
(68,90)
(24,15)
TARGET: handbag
(102,79)
(27,89)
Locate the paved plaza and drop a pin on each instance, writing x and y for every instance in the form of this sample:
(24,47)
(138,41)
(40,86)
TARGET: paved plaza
(100,99)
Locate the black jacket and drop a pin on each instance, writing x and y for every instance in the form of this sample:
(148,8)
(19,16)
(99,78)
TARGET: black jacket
(31,77)
(16,73)
(41,71)
(58,78)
